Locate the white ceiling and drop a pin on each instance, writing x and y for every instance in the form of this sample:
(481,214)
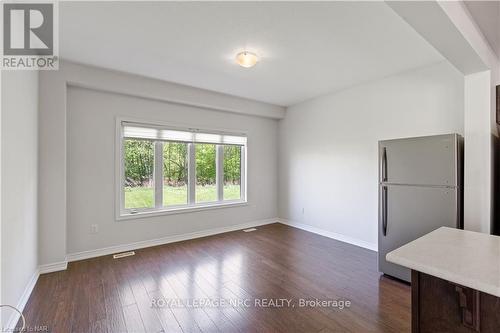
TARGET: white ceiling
(307,49)
(487,16)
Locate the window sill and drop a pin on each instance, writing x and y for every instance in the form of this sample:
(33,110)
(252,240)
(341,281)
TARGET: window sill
(181,210)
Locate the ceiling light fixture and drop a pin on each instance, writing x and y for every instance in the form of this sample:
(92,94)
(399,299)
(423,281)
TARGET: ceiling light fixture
(246,59)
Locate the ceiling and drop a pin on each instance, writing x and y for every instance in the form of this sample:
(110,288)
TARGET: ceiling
(487,16)
(307,49)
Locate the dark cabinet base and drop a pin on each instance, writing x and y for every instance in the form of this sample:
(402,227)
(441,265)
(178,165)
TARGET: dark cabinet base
(441,306)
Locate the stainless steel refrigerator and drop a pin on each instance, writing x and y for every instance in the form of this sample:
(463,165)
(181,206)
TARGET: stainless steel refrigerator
(420,190)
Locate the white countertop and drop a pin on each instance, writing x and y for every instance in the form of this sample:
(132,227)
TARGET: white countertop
(468,258)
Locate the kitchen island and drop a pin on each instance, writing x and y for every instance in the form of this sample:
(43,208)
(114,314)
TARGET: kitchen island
(455,281)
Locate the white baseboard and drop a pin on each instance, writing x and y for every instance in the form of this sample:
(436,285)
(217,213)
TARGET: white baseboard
(164,240)
(14,317)
(330,234)
(49,268)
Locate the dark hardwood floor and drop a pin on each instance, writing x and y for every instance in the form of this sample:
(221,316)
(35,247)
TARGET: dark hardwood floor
(274,262)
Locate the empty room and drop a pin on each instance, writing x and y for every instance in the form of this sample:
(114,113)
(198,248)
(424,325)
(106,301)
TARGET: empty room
(245,166)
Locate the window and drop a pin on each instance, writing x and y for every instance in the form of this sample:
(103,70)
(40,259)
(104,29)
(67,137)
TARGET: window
(232,172)
(206,182)
(175,173)
(139,164)
(165,169)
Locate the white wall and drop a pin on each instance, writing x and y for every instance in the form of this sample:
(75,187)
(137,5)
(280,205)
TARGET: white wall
(91,169)
(328,146)
(477,165)
(451,29)
(19,174)
(55,180)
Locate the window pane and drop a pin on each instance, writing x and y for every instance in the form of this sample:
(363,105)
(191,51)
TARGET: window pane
(139,165)
(175,173)
(206,189)
(232,172)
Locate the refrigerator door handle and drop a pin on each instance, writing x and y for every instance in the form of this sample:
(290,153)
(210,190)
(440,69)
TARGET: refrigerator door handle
(384,210)
(384,164)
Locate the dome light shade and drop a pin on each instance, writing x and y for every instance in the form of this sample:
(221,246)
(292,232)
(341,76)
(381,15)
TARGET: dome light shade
(246,59)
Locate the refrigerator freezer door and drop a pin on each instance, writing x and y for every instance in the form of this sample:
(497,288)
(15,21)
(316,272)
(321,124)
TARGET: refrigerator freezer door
(430,160)
(409,212)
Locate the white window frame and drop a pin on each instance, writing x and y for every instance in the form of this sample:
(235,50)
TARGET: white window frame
(191,206)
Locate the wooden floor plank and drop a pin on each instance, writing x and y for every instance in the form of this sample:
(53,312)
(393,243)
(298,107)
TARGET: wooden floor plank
(133,320)
(276,261)
(115,322)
